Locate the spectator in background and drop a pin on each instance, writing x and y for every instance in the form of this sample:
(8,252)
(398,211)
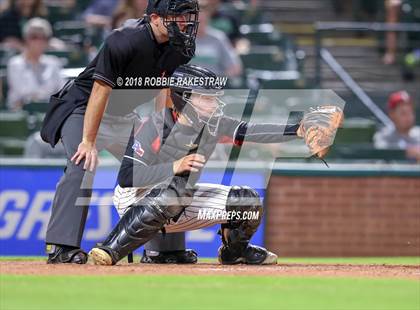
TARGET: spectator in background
(128,9)
(392,17)
(215,52)
(12,18)
(406,12)
(405,135)
(222,19)
(35,147)
(253,13)
(99,13)
(68,4)
(213,49)
(33,76)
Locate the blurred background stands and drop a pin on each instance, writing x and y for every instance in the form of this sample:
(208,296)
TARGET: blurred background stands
(275,42)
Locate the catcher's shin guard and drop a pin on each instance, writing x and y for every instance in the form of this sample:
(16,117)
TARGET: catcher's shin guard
(236,234)
(138,225)
(143,221)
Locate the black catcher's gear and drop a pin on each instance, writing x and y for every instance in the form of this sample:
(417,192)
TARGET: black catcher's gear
(236,234)
(171,257)
(147,217)
(184,12)
(61,255)
(251,255)
(181,96)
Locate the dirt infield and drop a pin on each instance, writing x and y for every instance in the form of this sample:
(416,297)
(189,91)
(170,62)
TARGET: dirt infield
(301,270)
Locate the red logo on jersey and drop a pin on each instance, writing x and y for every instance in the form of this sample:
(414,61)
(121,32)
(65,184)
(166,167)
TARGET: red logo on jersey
(156,145)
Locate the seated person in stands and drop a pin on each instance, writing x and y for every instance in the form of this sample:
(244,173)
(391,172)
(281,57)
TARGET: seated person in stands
(213,48)
(35,147)
(224,20)
(32,75)
(99,13)
(128,9)
(12,16)
(405,135)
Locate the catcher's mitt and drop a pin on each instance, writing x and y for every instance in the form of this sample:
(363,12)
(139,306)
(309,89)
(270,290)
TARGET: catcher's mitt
(319,126)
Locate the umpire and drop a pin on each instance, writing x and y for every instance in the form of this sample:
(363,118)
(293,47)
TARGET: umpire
(150,47)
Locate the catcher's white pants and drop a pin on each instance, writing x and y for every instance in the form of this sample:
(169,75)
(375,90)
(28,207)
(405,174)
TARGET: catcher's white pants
(208,199)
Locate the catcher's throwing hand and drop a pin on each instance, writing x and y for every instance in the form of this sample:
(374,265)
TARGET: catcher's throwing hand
(88,152)
(189,163)
(318,128)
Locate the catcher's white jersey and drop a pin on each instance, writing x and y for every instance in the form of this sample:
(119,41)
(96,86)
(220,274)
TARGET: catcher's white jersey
(207,199)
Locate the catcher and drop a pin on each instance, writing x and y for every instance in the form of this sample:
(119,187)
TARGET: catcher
(158,189)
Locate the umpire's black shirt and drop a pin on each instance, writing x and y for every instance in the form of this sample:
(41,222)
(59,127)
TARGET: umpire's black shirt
(128,52)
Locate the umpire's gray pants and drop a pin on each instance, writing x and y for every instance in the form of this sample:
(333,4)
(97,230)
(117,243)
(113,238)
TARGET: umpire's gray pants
(67,221)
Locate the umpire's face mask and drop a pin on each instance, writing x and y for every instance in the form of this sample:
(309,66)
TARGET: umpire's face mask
(204,109)
(182,32)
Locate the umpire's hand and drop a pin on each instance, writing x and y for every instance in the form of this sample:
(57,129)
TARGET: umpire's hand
(95,110)
(88,152)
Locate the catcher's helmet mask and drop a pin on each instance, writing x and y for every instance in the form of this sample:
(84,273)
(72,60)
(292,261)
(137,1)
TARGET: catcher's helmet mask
(185,99)
(173,14)
(193,114)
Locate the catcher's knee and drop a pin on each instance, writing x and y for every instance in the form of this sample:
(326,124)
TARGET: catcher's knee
(171,198)
(144,220)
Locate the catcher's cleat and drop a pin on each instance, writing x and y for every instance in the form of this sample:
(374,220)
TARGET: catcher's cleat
(100,257)
(65,255)
(253,255)
(170,257)
(271,259)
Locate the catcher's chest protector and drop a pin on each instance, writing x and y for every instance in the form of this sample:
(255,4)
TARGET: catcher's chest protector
(183,140)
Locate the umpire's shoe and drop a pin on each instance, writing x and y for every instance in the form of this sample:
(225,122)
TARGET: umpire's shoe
(252,255)
(187,256)
(58,254)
